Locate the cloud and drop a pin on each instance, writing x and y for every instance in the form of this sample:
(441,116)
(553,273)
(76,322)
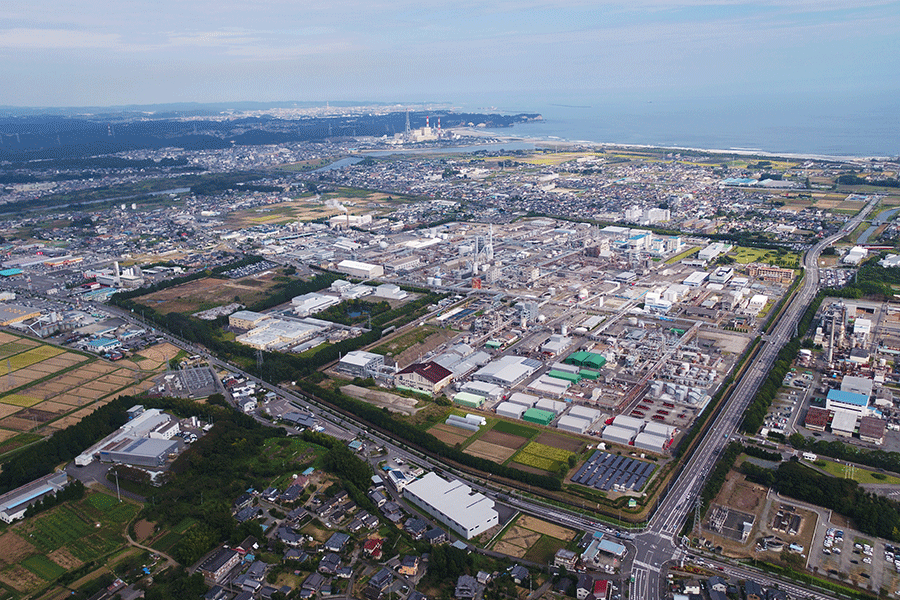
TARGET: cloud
(56,39)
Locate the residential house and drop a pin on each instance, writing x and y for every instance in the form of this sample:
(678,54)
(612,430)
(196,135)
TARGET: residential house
(565,559)
(330,563)
(219,564)
(717,583)
(466,587)
(435,536)
(601,589)
(753,591)
(336,542)
(378,583)
(286,534)
(372,547)
(519,574)
(584,587)
(311,585)
(416,527)
(409,566)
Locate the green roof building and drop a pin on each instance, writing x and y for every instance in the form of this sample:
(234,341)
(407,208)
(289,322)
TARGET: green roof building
(565,376)
(468,400)
(586,359)
(538,416)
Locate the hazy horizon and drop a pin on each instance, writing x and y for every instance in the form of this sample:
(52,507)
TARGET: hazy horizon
(212,52)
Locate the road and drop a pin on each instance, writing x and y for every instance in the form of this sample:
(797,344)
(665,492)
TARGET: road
(659,542)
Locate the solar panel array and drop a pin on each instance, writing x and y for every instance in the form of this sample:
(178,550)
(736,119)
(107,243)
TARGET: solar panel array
(605,470)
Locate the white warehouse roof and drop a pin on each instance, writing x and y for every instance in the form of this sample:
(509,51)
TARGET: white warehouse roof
(620,435)
(453,499)
(627,422)
(583,412)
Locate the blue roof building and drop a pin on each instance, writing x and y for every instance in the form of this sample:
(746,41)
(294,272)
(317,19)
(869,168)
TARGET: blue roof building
(838,399)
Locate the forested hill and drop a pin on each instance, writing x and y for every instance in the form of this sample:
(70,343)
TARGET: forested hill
(53,136)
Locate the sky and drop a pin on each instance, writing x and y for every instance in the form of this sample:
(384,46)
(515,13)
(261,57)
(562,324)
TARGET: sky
(103,53)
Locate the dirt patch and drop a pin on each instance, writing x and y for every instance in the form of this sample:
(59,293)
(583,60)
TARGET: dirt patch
(527,469)
(392,402)
(20,578)
(510,549)
(559,441)
(65,559)
(14,548)
(448,434)
(8,409)
(492,452)
(506,440)
(534,524)
(144,529)
(746,497)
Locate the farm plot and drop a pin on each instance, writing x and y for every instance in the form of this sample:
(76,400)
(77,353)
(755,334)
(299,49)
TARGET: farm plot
(449,434)
(14,548)
(43,567)
(503,439)
(16,347)
(540,456)
(492,452)
(569,444)
(534,539)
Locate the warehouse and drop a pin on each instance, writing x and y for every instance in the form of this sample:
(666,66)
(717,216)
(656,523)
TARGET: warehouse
(359,269)
(538,416)
(871,429)
(526,400)
(13,313)
(144,452)
(490,391)
(549,386)
(14,504)
(847,401)
(617,435)
(511,410)
(660,429)
(628,423)
(311,303)
(507,371)
(650,442)
(246,319)
(573,424)
(586,359)
(468,400)
(359,363)
(466,512)
(554,406)
(583,412)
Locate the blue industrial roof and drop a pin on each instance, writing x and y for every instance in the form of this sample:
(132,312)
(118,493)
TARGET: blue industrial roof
(10,272)
(611,547)
(848,397)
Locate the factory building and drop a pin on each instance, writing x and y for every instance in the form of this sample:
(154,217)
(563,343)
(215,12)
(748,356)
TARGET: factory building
(507,371)
(13,313)
(359,269)
(454,503)
(846,401)
(651,442)
(617,435)
(14,504)
(538,416)
(427,378)
(359,363)
(573,424)
(526,400)
(510,410)
(246,319)
(311,303)
(144,452)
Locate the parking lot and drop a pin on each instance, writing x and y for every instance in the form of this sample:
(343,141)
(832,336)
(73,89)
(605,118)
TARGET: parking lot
(848,555)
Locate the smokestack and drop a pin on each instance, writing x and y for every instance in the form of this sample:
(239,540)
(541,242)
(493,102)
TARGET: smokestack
(118,276)
(427,125)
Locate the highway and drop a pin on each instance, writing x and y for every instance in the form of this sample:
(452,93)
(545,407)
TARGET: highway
(660,541)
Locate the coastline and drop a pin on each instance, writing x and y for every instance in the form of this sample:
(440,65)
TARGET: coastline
(493,134)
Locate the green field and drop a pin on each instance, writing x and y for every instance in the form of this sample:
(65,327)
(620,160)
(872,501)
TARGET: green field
(166,542)
(541,456)
(406,341)
(515,429)
(544,549)
(102,502)
(743,255)
(682,255)
(43,567)
(97,531)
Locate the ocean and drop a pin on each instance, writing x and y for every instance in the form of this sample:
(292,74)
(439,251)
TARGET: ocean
(841,126)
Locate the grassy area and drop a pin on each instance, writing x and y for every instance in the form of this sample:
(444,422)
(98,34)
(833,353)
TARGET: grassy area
(860,475)
(683,255)
(515,429)
(409,339)
(544,549)
(743,255)
(43,567)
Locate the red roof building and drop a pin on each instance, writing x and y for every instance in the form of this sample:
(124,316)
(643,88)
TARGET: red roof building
(427,378)
(817,418)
